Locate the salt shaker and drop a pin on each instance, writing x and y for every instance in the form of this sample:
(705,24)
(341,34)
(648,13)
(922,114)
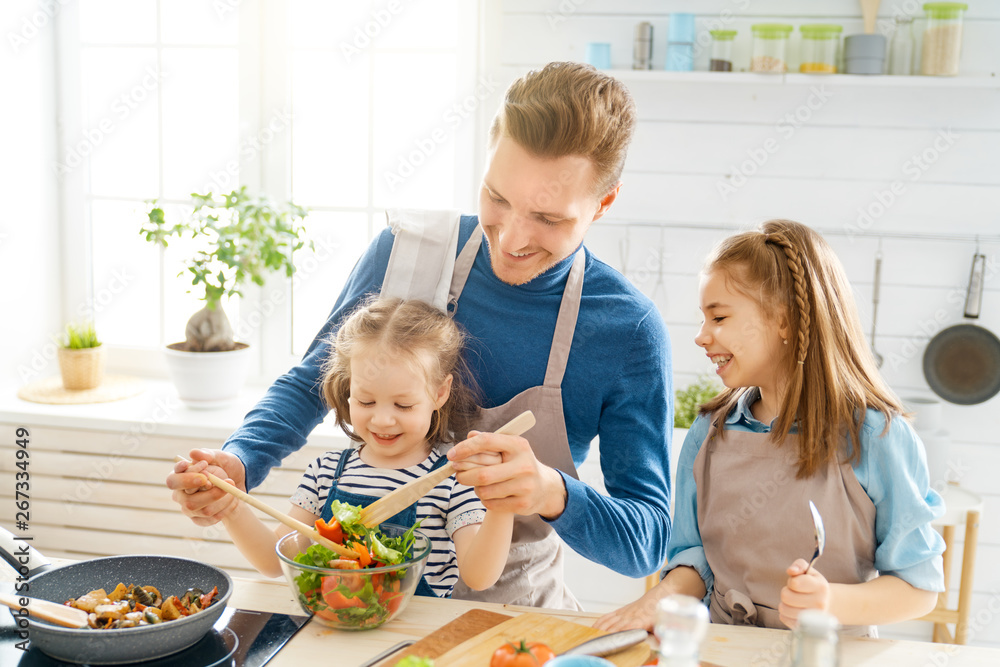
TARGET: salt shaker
(642,48)
(814,640)
(681,624)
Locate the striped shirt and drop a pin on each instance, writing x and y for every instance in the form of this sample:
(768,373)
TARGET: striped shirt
(446,508)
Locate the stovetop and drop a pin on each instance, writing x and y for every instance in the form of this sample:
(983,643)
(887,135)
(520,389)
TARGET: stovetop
(240,638)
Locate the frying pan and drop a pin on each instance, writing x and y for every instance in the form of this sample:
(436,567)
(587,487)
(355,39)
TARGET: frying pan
(962,362)
(172,576)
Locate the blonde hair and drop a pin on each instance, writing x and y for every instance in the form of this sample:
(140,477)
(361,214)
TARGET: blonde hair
(411,332)
(570,108)
(832,377)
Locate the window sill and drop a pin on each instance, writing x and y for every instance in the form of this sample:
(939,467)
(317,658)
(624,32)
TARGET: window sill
(155,410)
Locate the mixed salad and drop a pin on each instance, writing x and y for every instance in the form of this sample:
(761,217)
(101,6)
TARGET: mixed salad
(355,599)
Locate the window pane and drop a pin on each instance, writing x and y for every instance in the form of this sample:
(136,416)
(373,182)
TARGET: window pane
(330,130)
(118,21)
(429,24)
(119,121)
(340,238)
(200,120)
(126,275)
(413,143)
(321,24)
(199,22)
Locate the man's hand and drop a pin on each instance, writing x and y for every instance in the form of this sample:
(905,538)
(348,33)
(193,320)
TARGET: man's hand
(519,483)
(204,503)
(803,591)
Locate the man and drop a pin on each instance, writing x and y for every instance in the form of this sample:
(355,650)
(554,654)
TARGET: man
(552,329)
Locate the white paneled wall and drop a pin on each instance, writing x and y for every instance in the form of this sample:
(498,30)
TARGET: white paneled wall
(908,165)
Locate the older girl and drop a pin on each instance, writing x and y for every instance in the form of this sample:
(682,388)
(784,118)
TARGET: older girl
(804,417)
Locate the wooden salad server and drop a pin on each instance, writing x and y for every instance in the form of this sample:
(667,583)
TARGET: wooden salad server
(291,522)
(398,500)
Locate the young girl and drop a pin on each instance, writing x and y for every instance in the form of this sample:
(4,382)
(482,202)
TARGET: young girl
(397,382)
(804,416)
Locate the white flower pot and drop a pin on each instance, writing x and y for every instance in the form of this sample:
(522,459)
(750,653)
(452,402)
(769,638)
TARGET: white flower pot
(208,380)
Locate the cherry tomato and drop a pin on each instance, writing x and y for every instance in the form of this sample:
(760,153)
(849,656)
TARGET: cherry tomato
(524,654)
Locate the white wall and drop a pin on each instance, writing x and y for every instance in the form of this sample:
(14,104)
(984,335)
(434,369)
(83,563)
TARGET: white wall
(30,296)
(693,176)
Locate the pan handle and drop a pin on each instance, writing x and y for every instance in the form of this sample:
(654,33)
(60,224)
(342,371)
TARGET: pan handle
(20,555)
(974,299)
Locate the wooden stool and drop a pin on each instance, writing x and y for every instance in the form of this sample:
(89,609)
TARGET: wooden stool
(961,506)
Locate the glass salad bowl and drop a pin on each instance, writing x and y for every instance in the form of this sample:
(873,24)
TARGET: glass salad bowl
(351,599)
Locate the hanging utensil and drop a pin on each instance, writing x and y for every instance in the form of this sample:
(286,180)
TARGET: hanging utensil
(820,533)
(875,291)
(659,295)
(962,362)
(623,251)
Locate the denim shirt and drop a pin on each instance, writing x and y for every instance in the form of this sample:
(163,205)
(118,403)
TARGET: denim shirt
(892,471)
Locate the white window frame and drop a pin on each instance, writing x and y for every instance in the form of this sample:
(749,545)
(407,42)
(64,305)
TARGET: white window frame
(261,93)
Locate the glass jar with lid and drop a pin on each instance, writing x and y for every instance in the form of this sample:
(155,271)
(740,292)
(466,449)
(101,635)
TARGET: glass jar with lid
(942,43)
(722,50)
(820,46)
(770,44)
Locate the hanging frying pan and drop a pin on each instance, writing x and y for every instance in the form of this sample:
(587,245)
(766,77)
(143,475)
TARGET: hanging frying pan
(962,362)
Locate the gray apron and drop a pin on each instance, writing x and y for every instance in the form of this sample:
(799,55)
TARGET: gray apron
(533,575)
(754,519)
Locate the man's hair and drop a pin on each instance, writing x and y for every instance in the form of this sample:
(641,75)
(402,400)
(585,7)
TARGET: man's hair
(570,108)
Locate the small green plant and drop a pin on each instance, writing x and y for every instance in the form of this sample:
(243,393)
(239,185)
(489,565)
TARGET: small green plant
(687,400)
(80,336)
(243,238)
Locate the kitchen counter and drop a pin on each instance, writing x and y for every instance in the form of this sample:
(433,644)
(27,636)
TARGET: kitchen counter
(726,646)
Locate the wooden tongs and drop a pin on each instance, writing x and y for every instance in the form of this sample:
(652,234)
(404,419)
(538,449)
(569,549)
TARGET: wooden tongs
(398,500)
(293,523)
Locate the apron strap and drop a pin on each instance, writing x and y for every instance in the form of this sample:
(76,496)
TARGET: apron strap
(341,463)
(569,309)
(422,256)
(463,267)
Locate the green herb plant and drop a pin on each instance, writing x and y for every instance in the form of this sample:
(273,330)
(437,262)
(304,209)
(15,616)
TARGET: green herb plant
(688,400)
(80,336)
(242,239)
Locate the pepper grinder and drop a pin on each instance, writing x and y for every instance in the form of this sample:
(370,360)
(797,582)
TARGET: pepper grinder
(642,47)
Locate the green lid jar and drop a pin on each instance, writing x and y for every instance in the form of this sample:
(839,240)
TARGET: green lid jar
(722,50)
(820,47)
(770,42)
(942,43)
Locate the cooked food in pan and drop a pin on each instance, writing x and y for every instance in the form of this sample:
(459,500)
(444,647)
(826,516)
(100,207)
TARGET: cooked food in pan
(131,606)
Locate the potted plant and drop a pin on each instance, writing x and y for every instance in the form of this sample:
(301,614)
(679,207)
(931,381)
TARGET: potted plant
(241,239)
(81,357)
(686,404)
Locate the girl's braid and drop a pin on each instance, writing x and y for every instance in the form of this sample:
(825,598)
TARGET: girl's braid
(798,272)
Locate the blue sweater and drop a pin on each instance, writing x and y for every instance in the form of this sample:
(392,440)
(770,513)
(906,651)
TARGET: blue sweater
(617,386)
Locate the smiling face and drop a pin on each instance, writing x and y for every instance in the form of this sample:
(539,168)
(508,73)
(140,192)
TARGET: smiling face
(745,345)
(535,211)
(392,404)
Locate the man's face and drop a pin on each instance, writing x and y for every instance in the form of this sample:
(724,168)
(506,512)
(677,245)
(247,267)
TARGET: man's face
(535,211)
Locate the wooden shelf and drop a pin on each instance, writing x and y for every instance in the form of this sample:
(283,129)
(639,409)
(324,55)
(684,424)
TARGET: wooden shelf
(795,78)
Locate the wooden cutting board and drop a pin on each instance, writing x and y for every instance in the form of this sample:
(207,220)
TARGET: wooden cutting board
(469,624)
(560,635)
